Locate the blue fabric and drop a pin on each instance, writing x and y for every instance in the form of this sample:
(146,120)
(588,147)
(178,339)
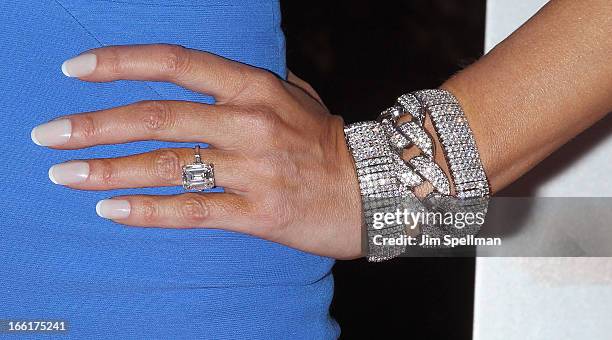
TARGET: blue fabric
(58,260)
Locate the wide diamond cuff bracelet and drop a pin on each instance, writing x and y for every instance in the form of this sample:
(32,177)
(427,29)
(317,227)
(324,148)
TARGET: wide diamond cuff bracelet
(387,181)
(457,142)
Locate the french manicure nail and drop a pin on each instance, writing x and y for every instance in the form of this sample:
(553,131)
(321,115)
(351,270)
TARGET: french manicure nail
(113,209)
(80,66)
(69,172)
(56,132)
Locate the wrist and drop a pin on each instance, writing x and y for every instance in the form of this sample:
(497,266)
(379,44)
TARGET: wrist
(398,167)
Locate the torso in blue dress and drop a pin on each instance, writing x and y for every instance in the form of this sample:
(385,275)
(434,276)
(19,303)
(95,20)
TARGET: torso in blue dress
(58,260)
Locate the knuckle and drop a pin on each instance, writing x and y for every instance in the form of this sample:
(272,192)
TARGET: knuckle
(275,216)
(266,79)
(194,209)
(275,167)
(264,122)
(106,173)
(265,169)
(157,115)
(166,165)
(87,127)
(174,60)
(267,85)
(149,211)
(113,62)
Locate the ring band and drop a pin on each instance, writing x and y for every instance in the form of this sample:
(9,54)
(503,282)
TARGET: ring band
(199,175)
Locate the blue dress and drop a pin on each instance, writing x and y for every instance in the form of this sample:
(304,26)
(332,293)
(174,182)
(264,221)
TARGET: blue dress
(59,260)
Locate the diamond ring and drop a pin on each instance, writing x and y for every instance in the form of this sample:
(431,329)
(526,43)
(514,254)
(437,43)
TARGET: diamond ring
(198,176)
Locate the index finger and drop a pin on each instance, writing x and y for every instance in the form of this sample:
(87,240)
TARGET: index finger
(195,70)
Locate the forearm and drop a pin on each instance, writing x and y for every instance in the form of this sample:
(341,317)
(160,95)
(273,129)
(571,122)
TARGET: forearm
(538,89)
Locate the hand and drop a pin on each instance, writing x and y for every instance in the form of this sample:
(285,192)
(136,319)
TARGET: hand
(277,151)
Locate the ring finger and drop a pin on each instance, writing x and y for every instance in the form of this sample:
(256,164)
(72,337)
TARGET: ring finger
(162,167)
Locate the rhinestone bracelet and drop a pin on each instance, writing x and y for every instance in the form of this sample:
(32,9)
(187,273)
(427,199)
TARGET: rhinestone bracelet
(457,142)
(387,181)
(382,176)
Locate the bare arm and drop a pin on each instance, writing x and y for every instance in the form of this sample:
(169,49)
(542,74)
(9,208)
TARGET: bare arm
(542,86)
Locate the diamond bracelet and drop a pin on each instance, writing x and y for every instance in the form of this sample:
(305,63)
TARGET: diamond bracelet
(457,142)
(384,176)
(384,180)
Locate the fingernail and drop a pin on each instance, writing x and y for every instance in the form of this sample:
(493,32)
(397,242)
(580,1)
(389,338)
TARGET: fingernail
(113,209)
(69,172)
(80,66)
(55,132)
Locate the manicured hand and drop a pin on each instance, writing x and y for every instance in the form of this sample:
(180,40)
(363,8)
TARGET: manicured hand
(277,151)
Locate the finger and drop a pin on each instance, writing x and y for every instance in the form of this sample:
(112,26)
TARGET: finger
(196,70)
(152,169)
(174,121)
(191,210)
